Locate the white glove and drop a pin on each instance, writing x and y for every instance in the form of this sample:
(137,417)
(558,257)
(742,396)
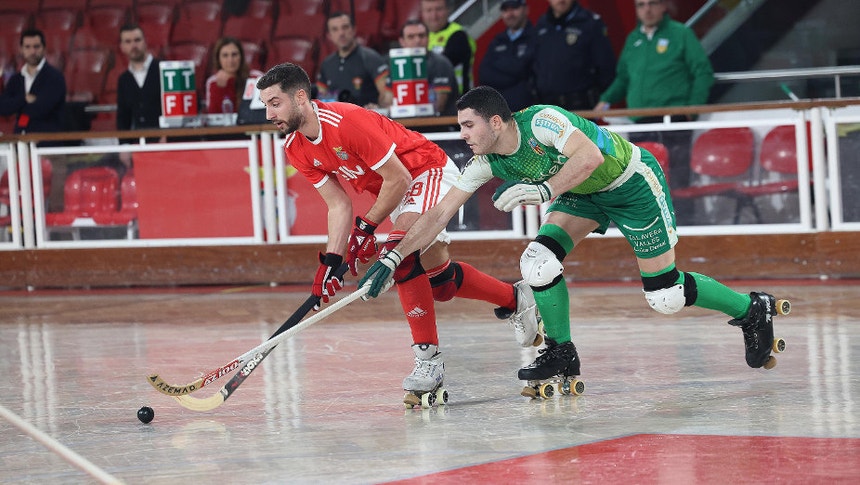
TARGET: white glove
(523,194)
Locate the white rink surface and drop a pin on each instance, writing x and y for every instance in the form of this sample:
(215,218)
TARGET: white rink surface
(326,406)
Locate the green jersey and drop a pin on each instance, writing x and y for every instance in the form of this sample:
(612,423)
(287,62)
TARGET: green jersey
(543,131)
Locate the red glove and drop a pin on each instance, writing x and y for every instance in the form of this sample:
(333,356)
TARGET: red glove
(326,283)
(362,244)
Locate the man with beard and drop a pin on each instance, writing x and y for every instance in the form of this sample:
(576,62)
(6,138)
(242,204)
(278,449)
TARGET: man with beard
(407,174)
(138,94)
(36,95)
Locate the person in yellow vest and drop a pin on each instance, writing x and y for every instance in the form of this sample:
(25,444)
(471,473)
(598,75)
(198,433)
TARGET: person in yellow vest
(449,39)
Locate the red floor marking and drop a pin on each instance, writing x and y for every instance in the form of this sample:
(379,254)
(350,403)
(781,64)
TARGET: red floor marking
(674,459)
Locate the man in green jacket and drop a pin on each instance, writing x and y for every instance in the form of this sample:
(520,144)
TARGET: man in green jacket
(662,64)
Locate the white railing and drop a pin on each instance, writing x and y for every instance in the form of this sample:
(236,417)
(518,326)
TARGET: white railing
(820,200)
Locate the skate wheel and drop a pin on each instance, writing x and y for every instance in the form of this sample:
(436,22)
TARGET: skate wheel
(547,390)
(529,392)
(771,363)
(783,307)
(427,400)
(411,400)
(441,396)
(577,387)
(778,345)
(538,340)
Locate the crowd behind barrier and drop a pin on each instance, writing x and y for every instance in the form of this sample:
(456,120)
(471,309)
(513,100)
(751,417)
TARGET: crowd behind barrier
(201,189)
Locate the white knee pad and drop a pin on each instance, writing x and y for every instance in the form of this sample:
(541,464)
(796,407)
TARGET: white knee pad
(667,300)
(539,266)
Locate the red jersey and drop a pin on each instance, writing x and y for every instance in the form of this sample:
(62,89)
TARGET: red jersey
(354,142)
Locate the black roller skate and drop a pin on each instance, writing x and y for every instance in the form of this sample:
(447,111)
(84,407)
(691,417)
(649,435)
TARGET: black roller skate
(554,370)
(757,328)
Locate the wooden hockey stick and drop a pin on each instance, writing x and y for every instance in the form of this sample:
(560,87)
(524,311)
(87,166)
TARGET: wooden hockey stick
(163,387)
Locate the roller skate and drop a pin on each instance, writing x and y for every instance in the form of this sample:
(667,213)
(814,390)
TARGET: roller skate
(757,328)
(524,319)
(553,371)
(424,385)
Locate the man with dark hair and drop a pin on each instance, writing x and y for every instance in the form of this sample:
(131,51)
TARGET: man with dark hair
(336,143)
(354,73)
(590,177)
(138,93)
(36,95)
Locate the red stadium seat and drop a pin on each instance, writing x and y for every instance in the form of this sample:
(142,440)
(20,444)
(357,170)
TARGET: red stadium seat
(199,21)
(254,54)
(296,50)
(86,192)
(302,7)
(396,14)
(778,160)
(85,74)
(125,4)
(307,26)
(126,215)
(13,24)
(105,23)
(720,156)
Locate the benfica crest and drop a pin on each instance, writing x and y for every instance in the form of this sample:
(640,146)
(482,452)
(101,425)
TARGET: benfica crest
(340,153)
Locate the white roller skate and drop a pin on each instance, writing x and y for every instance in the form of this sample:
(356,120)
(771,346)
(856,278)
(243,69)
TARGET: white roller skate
(424,384)
(553,371)
(524,319)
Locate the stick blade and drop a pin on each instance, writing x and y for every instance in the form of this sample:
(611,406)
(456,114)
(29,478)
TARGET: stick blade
(170,390)
(197,404)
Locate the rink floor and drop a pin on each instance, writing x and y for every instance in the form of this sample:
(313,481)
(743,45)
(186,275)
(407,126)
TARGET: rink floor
(667,400)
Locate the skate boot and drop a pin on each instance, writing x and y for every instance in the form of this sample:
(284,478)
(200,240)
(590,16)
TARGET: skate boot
(424,384)
(757,328)
(554,370)
(524,319)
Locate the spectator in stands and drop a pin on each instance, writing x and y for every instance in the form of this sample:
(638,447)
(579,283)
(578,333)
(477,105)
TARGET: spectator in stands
(574,61)
(355,74)
(224,88)
(440,72)
(449,39)
(138,93)
(507,65)
(36,95)
(662,64)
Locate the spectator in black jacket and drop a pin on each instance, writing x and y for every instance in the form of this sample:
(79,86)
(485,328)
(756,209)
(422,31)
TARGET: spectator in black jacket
(574,61)
(36,95)
(138,93)
(507,65)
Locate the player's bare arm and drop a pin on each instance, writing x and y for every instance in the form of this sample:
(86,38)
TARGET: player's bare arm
(395,182)
(583,158)
(339,215)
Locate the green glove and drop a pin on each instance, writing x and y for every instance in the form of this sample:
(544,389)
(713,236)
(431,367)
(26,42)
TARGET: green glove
(380,276)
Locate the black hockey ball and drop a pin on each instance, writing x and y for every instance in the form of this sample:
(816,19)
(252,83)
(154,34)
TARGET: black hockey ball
(145,414)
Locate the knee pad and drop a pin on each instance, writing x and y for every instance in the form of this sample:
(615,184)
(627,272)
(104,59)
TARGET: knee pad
(409,268)
(446,283)
(540,266)
(666,296)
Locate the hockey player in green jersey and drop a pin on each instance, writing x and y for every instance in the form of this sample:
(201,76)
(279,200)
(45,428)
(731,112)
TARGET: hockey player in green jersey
(592,177)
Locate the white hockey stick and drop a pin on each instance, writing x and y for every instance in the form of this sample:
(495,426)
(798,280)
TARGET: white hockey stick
(163,387)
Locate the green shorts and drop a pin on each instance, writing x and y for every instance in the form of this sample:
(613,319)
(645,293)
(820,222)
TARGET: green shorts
(640,207)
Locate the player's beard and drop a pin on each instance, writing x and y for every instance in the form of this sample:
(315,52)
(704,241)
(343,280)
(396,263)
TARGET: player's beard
(293,121)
